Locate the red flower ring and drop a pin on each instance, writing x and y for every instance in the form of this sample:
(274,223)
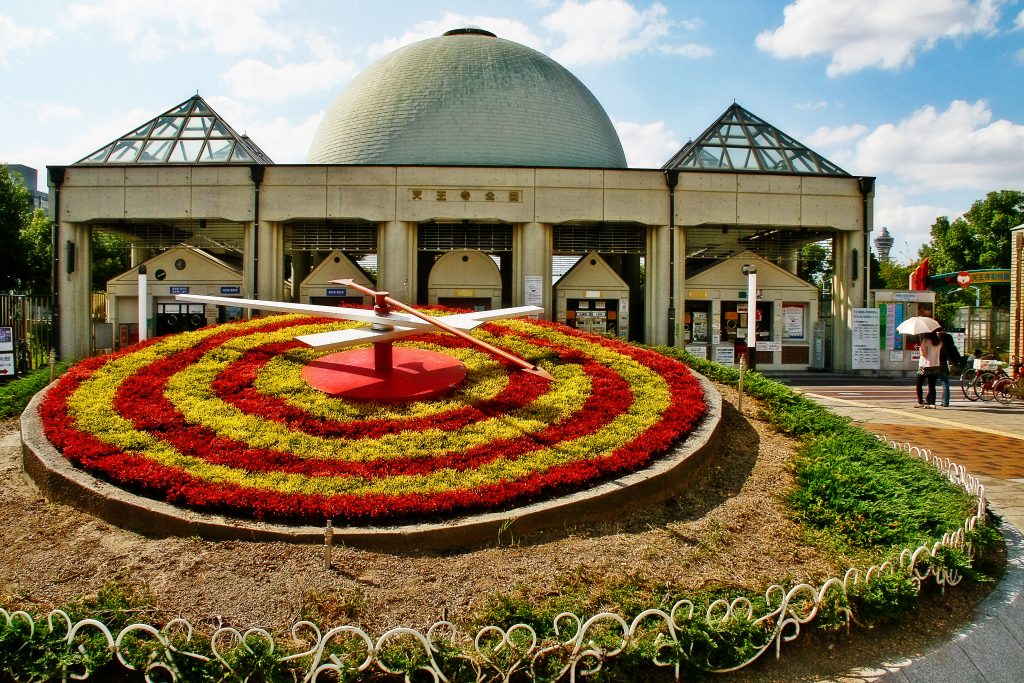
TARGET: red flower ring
(220,420)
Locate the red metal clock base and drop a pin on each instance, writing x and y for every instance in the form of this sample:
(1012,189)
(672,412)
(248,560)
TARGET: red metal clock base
(416,375)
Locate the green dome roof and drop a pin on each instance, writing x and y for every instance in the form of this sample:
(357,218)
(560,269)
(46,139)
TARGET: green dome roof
(467,98)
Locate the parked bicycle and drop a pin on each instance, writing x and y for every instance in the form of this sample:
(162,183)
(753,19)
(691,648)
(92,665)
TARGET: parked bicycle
(978,382)
(1010,389)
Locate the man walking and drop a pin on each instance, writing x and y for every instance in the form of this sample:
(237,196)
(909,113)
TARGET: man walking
(950,361)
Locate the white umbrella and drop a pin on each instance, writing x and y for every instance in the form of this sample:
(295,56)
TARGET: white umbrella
(918,324)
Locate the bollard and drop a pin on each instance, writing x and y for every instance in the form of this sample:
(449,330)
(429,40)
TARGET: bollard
(743,367)
(328,541)
(53,361)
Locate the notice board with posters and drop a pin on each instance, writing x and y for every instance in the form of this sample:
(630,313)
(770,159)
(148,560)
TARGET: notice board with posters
(6,352)
(865,339)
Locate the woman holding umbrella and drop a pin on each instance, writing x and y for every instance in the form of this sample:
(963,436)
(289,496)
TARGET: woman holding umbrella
(929,362)
(929,365)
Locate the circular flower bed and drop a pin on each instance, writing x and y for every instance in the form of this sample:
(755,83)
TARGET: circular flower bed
(220,420)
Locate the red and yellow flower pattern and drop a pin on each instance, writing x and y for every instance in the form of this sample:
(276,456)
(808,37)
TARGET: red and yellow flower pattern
(220,420)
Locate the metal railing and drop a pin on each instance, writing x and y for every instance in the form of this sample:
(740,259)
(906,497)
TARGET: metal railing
(32,320)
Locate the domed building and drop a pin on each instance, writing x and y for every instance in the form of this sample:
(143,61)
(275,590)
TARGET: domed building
(467,98)
(473,171)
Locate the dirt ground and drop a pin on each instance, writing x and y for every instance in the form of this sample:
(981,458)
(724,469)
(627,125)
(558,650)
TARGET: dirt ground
(728,528)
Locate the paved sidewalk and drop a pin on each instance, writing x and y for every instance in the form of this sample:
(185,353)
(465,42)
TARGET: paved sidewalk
(987,438)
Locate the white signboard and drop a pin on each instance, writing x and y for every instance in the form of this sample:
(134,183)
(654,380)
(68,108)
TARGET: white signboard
(698,350)
(895,356)
(724,354)
(534,290)
(6,365)
(792,322)
(769,345)
(865,339)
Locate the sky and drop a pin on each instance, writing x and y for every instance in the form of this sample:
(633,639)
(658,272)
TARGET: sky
(925,95)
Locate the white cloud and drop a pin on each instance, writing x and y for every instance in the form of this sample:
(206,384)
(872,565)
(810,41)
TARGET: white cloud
(19,39)
(960,148)
(253,79)
(605,30)
(688,50)
(825,137)
(647,145)
(509,29)
(1019,22)
(811,106)
(874,33)
(49,111)
(154,29)
(909,223)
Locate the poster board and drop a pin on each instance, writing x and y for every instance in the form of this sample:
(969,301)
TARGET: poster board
(865,352)
(6,339)
(725,354)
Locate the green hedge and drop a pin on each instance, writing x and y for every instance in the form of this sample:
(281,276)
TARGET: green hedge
(16,393)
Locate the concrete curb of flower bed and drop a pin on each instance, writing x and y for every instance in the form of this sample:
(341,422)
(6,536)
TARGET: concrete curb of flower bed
(60,481)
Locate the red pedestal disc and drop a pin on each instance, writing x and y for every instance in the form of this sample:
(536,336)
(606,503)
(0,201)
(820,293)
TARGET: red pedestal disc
(416,375)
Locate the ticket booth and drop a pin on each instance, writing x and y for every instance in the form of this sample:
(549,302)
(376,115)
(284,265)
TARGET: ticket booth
(717,306)
(898,353)
(317,287)
(592,297)
(465,278)
(178,270)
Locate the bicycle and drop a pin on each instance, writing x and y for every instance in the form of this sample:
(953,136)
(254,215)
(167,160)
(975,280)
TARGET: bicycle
(979,380)
(1009,389)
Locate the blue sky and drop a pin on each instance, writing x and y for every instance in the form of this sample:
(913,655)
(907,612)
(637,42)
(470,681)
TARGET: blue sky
(926,95)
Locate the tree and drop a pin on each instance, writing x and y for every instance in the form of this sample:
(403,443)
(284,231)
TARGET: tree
(15,205)
(815,264)
(111,256)
(36,249)
(978,239)
(890,274)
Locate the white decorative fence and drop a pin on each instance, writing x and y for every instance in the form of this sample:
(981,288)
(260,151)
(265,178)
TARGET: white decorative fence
(503,654)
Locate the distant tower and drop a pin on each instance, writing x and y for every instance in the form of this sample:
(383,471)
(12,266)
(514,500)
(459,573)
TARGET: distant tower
(883,244)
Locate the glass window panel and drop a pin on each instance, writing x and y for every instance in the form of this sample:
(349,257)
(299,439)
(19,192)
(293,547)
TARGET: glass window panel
(734,135)
(125,151)
(241,155)
(220,130)
(712,158)
(217,151)
(156,151)
(202,108)
(180,109)
(773,160)
(167,127)
(141,132)
(742,158)
(801,164)
(197,126)
(98,155)
(186,151)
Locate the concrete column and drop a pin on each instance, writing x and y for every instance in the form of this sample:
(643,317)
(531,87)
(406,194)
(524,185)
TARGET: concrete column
(847,294)
(300,270)
(270,273)
(75,291)
(656,326)
(396,260)
(531,256)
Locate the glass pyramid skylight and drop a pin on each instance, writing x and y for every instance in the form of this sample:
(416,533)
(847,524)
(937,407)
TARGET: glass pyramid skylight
(190,133)
(740,141)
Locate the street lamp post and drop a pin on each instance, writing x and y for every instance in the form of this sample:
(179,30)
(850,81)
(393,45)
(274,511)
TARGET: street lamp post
(751,273)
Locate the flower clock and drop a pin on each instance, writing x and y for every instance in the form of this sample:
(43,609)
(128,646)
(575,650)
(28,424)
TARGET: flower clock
(222,420)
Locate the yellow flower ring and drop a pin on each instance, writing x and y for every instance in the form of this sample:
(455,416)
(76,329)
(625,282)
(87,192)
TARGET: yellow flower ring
(220,420)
